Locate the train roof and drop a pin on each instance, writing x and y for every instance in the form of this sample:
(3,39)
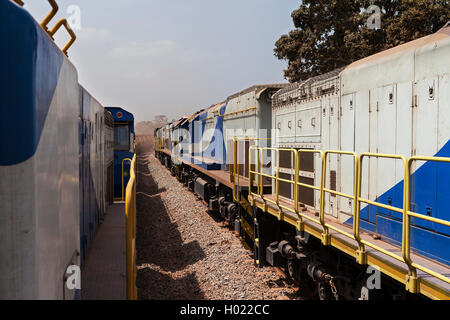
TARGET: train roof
(109,119)
(120,114)
(418,59)
(260,88)
(309,89)
(180,122)
(90,95)
(218,106)
(409,46)
(213,108)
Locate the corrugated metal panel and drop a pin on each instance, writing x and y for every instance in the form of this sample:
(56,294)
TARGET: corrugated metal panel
(310,89)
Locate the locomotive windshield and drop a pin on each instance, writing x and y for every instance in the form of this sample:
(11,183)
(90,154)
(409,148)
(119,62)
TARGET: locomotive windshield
(121,137)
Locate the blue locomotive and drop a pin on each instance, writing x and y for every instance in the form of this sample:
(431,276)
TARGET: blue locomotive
(124,145)
(56,161)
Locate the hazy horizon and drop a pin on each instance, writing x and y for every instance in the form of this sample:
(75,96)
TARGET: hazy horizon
(174,57)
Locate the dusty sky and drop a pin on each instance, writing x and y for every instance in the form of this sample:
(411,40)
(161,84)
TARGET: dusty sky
(173,57)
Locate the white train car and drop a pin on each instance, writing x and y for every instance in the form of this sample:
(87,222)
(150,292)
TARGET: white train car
(247,120)
(39,165)
(396,102)
(92,168)
(306,116)
(54,151)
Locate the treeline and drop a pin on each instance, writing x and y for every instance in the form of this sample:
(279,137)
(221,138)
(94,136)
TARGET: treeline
(330,34)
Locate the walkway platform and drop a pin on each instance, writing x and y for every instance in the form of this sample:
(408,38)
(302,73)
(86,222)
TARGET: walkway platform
(104,274)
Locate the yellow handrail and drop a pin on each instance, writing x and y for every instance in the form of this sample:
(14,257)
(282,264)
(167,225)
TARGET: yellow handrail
(156,144)
(123,182)
(250,172)
(322,185)
(296,210)
(73,37)
(361,255)
(62,22)
(276,178)
(235,172)
(409,214)
(19,2)
(324,190)
(50,15)
(130,212)
(235,183)
(360,200)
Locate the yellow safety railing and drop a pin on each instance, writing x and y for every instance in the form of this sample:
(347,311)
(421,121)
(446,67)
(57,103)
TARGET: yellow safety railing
(361,256)
(156,144)
(62,22)
(73,37)
(123,176)
(321,221)
(235,170)
(130,211)
(296,184)
(402,258)
(277,178)
(260,190)
(324,190)
(409,214)
(50,15)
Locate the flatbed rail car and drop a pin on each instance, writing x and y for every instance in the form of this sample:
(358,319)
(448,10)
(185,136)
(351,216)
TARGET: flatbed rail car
(371,200)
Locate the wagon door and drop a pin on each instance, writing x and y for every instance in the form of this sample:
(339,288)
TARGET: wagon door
(362,141)
(387,121)
(424,178)
(333,144)
(347,144)
(308,131)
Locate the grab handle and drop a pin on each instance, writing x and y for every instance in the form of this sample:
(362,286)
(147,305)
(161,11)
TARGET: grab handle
(73,37)
(50,15)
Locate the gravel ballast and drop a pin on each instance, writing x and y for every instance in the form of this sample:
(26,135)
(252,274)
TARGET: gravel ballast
(184,252)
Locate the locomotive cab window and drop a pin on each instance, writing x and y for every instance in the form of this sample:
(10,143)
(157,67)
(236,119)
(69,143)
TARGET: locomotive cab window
(121,137)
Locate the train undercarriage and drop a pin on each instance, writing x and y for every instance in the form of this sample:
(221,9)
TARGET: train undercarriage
(318,271)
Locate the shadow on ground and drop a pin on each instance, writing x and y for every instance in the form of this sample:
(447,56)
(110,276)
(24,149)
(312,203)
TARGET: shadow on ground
(160,248)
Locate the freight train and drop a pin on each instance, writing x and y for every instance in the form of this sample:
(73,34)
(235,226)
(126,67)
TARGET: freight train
(57,145)
(341,180)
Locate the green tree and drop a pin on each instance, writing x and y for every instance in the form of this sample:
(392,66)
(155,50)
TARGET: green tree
(330,34)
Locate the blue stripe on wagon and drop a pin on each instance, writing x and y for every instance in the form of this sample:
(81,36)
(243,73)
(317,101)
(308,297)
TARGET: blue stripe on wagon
(430,196)
(30,64)
(216,149)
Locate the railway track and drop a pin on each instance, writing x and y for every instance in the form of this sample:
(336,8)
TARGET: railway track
(185,252)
